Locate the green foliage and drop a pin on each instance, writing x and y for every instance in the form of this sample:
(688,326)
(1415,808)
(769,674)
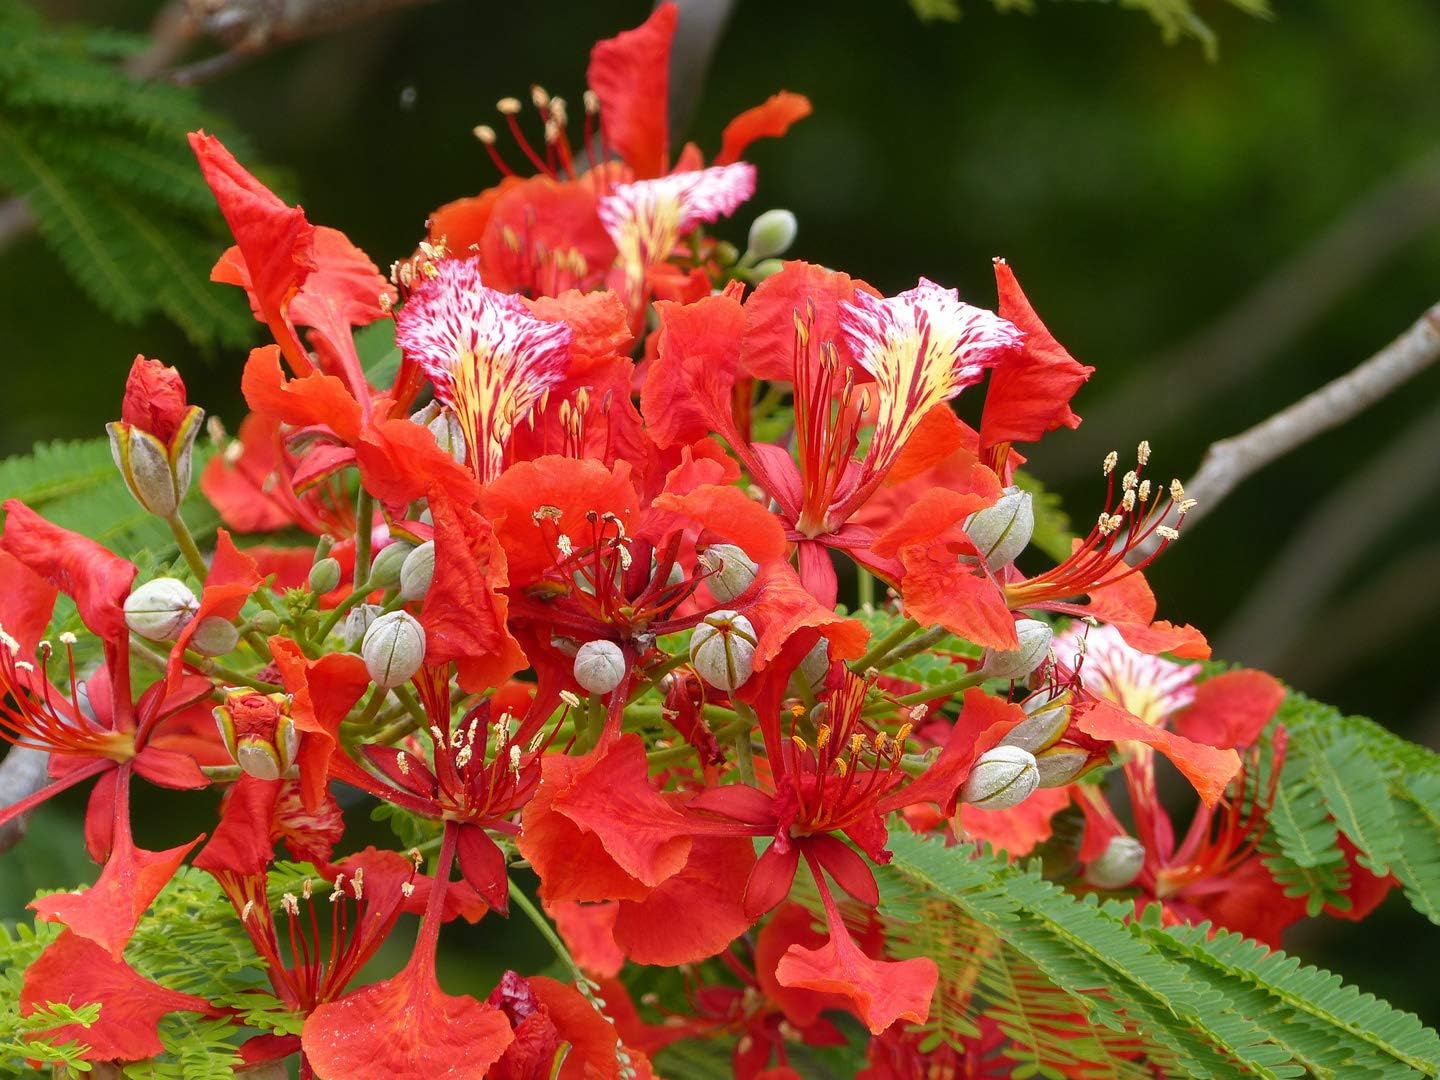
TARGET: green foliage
(102,164)
(1022,952)
(20,1037)
(1176,19)
(1345,776)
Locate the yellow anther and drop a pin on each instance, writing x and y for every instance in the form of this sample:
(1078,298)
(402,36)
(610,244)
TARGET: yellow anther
(822,736)
(1111,460)
(508,106)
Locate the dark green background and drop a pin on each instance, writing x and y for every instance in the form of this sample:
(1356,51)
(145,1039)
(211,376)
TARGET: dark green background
(1137,189)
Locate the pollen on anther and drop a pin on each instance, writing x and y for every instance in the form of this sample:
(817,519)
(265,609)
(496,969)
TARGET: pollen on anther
(592,102)
(357,883)
(290,904)
(508,106)
(1165,532)
(1177,491)
(406,889)
(485,133)
(569,697)
(1142,452)
(1111,460)
(67,638)
(246,910)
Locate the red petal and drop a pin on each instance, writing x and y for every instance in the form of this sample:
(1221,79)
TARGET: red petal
(728,513)
(772,308)
(405,1028)
(782,608)
(771,879)
(598,320)
(631,75)
(483,865)
(232,577)
(691,381)
(597,830)
(1208,768)
(1030,390)
(26,602)
(1231,709)
(592,1038)
(323,692)
(880,991)
(1128,604)
(768,121)
(73,971)
(242,490)
(461,224)
(1018,830)
(547,216)
(107,912)
(95,578)
(464,615)
(311,399)
(846,866)
(400,462)
(695,914)
(170,768)
(241,843)
(983,722)
(154,399)
(589,932)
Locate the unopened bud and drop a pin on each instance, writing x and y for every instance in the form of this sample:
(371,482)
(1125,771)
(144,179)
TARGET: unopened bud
(417,571)
(449,433)
(258,732)
(722,649)
(158,475)
(1061,764)
(215,636)
(764,269)
(324,575)
(771,234)
(1047,715)
(160,609)
(1035,637)
(1003,777)
(358,620)
(1118,865)
(599,666)
(815,664)
(731,571)
(393,649)
(385,569)
(725,253)
(266,622)
(1003,531)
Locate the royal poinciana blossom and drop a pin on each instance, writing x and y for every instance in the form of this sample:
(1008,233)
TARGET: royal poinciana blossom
(570,618)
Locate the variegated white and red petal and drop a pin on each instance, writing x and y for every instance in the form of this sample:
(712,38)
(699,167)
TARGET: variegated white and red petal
(1148,687)
(681,201)
(923,347)
(488,358)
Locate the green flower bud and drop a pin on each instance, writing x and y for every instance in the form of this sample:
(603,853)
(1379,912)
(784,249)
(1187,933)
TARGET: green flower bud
(1003,531)
(215,636)
(1061,764)
(726,253)
(393,649)
(1119,864)
(731,571)
(324,575)
(1003,777)
(771,234)
(385,568)
(358,620)
(449,434)
(764,269)
(258,732)
(266,622)
(417,571)
(160,609)
(815,665)
(599,666)
(1035,637)
(722,649)
(1047,715)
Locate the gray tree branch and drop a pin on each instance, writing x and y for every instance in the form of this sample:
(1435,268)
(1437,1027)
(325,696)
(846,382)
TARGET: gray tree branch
(1230,462)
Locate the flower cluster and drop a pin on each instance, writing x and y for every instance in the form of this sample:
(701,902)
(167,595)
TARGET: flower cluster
(569,603)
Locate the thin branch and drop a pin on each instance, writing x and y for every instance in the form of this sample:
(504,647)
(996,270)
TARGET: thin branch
(1327,544)
(22,773)
(697,34)
(1178,382)
(1230,462)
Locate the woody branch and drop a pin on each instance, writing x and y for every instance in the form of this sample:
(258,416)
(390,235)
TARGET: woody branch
(1230,462)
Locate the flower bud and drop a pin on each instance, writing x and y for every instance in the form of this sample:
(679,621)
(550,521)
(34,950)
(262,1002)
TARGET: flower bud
(449,434)
(1061,764)
(1047,715)
(153,441)
(599,666)
(722,649)
(215,636)
(324,575)
(258,732)
(385,568)
(764,269)
(160,609)
(771,234)
(815,665)
(266,622)
(1003,531)
(417,571)
(1035,637)
(1003,777)
(393,649)
(1119,864)
(731,571)
(358,620)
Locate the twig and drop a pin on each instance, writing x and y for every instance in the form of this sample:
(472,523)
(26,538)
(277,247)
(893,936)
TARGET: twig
(697,34)
(1231,461)
(1337,533)
(22,773)
(1179,381)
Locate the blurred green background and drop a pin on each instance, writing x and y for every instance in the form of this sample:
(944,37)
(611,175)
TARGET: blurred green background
(1217,238)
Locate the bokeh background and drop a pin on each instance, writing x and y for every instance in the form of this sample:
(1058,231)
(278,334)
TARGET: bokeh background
(1218,237)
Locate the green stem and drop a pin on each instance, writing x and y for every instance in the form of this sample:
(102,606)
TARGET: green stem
(885,644)
(364,517)
(865,589)
(911,647)
(372,709)
(523,902)
(671,754)
(186,541)
(339,611)
(744,752)
(930,694)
